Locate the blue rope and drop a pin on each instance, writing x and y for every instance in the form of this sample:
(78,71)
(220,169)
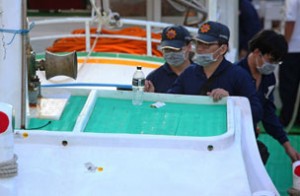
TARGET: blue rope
(15,32)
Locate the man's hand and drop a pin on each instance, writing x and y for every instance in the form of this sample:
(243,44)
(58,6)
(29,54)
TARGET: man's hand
(149,87)
(293,154)
(217,94)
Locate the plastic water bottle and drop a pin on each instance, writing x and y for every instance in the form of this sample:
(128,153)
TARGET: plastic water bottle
(138,83)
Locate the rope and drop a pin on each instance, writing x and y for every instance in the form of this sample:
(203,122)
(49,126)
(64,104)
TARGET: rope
(90,52)
(293,192)
(15,32)
(295,113)
(102,44)
(9,168)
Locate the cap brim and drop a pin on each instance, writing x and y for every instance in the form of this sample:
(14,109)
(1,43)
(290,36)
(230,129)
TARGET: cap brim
(174,44)
(206,39)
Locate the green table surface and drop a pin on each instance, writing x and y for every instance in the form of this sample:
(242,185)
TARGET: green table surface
(120,116)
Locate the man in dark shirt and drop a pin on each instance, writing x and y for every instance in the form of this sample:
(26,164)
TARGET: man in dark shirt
(211,74)
(175,45)
(266,50)
(249,25)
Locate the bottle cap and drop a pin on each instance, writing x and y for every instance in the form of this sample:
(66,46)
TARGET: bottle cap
(139,67)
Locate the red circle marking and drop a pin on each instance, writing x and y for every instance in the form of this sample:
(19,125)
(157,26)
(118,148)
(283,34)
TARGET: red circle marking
(297,171)
(4,122)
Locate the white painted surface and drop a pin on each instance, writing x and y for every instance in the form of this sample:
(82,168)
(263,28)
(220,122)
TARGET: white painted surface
(7,185)
(144,164)
(136,165)
(98,73)
(11,56)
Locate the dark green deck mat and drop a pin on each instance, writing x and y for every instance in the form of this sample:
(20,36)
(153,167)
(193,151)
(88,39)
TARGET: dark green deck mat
(120,116)
(279,165)
(67,120)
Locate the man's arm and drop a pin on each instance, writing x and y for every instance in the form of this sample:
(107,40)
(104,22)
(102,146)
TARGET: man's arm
(290,18)
(289,28)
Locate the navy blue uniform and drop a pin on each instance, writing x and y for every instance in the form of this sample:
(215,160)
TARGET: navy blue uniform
(249,23)
(232,79)
(162,78)
(265,91)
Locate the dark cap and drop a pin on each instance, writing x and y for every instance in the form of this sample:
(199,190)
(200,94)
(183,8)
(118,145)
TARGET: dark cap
(175,37)
(212,32)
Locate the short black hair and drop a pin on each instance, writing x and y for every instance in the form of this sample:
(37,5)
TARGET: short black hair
(269,42)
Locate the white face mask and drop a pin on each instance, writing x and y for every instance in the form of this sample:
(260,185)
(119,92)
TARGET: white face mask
(267,68)
(206,59)
(175,58)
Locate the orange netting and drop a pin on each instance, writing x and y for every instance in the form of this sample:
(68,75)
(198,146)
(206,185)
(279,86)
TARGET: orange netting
(109,44)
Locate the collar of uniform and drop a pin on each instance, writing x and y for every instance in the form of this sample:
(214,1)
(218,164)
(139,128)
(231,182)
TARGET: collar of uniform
(244,64)
(221,67)
(224,63)
(167,68)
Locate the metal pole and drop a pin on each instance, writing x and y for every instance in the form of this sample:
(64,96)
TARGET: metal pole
(25,48)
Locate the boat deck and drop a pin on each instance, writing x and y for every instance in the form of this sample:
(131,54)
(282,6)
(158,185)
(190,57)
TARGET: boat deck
(279,166)
(110,115)
(170,150)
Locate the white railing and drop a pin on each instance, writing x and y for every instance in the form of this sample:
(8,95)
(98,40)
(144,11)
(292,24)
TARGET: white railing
(148,25)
